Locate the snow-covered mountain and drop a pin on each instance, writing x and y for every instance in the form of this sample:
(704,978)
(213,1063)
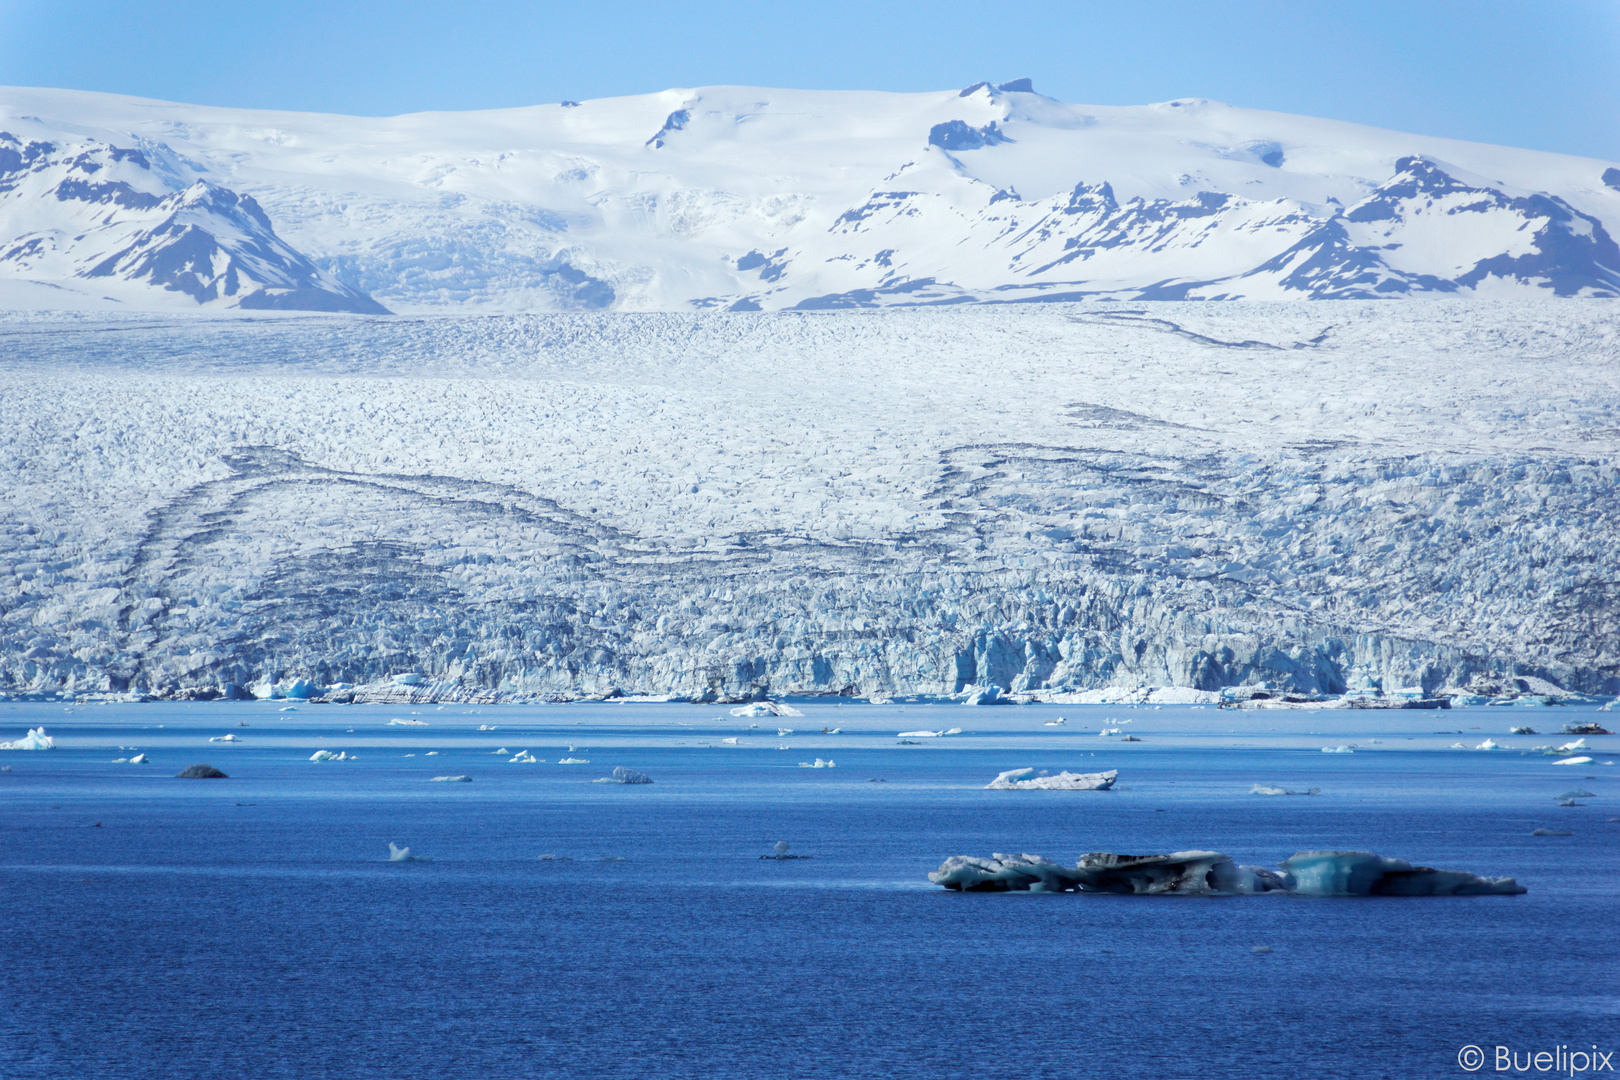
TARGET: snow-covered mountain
(133,222)
(755,199)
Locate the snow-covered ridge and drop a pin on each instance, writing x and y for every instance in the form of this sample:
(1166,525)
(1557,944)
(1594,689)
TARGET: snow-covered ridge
(1321,497)
(761,199)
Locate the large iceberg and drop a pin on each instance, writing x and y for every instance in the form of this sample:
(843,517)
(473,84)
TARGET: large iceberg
(36,739)
(1029,780)
(1210,873)
(622,775)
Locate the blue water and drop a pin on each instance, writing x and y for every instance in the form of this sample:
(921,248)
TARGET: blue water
(252,927)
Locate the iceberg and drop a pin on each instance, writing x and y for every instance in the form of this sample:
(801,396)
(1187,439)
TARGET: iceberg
(327,755)
(1341,749)
(1573,761)
(523,757)
(1267,789)
(397,722)
(1029,780)
(818,764)
(1055,723)
(139,759)
(781,731)
(573,761)
(929,734)
(224,738)
(36,739)
(1490,744)
(403,854)
(765,708)
(451,780)
(1207,873)
(1361,873)
(622,775)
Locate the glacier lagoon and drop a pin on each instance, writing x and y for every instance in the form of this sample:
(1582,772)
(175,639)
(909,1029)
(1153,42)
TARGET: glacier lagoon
(254,925)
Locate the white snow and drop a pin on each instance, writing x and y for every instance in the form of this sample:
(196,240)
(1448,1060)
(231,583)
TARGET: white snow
(36,739)
(1029,780)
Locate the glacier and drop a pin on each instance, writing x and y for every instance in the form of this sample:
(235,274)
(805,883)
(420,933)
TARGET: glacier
(1071,502)
(759,199)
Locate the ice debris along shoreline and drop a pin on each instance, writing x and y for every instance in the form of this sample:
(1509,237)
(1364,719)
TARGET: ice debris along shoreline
(1210,873)
(1030,780)
(36,739)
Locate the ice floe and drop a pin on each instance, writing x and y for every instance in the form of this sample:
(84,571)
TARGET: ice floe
(1306,873)
(1030,780)
(36,739)
(403,854)
(622,775)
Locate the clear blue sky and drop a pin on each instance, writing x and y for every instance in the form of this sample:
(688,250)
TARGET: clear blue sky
(1544,75)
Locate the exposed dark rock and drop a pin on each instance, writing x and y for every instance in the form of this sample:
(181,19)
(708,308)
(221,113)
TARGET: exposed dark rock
(200,772)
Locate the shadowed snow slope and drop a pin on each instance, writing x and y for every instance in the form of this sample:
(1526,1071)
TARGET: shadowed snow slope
(759,199)
(1319,496)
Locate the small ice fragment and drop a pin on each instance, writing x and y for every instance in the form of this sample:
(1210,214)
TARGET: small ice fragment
(431,753)
(139,759)
(819,764)
(451,780)
(522,757)
(289,708)
(781,731)
(397,722)
(1343,749)
(327,755)
(1573,761)
(1105,732)
(224,738)
(1261,950)
(1488,744)
(1578,793)
(729,742)
(1521,731)
(403,854)
(782,847)
(36,739)
(611,858)
(574,761)
(1055,723)
(553,858)
(1267,789)
(1551,832)
(1571,747)
(502,750)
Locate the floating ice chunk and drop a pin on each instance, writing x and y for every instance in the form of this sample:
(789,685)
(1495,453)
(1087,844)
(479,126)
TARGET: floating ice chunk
(327,755)
(929,734)
(224,738)
(781,731)
(1107,731)
(1578,793)
(1521,731)
(482,727)
(1361,873)
(765,708)
(622,775)
(1491,744)
(574,761)
(403,854)
(1055,723)
(36,739)
(431,753)
(1573,761)
(502,750)
(1262,950)
(818,764)
(1267,789)
(1569,802)
(1551,832)
(139,759)
(1027,780)
(1004,873)
(397,722)
(1572,747)
(730,742)
(832,731)
(553,858)
(1343,749)
(522,757)
(451,780)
